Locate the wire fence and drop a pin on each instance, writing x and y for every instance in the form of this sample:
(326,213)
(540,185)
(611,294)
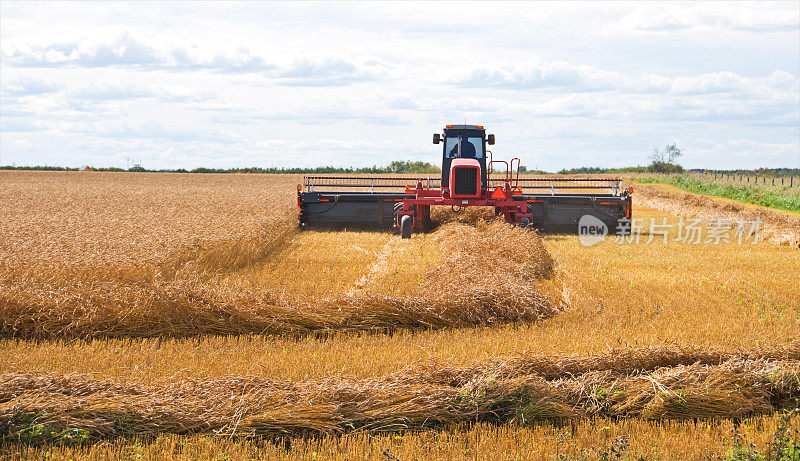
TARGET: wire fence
(751,180)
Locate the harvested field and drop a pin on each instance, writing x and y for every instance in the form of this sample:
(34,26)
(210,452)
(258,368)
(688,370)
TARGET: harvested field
(125,319)
(779,227)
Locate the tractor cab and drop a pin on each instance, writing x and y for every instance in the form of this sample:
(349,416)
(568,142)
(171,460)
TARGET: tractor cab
(464,171)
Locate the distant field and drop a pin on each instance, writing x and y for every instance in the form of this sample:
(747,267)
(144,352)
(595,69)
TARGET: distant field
(180,315)
(784,195)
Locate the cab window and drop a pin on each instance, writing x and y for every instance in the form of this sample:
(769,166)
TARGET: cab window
(464,145)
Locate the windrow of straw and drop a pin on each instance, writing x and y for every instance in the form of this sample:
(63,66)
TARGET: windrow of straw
(246,406)
(490,276)
(619,362)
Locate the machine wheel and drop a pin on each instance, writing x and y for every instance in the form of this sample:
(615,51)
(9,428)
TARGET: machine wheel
(524,223)
(405,226)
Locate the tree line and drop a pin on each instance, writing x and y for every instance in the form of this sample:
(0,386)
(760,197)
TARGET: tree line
(399,167)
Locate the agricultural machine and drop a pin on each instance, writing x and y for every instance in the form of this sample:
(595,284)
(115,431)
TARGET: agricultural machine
(470,177)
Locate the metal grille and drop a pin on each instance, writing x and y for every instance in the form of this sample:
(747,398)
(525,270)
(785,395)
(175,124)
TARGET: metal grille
(466,181)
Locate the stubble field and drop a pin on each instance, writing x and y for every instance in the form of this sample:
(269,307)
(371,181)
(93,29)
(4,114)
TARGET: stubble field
(184,315)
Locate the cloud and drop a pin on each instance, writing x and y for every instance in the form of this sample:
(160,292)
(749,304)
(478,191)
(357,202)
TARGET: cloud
(750,147)
(28,87)
(305,114)
(122,90)
(563,76)
(242,61)
(654,18)
(402,102)
(128,51)
(331,71)
(17,124)
(780,83)
(153,130)
(535,74)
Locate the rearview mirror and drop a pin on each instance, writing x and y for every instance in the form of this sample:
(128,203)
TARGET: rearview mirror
(490,140)
(437,138)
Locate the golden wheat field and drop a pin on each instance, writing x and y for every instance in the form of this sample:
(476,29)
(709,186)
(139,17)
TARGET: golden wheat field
(154,316)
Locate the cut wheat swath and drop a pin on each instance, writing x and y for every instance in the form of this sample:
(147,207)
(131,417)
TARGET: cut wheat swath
(492,277)
(746,384)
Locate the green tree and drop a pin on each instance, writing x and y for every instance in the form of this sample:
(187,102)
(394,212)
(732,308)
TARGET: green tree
(665,161)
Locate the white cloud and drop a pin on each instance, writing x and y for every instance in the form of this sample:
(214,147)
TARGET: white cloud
(129,51)
(28,87)
(525,75)
(19,124)
(330,71)
(120,90)
(565,76)
(667,18)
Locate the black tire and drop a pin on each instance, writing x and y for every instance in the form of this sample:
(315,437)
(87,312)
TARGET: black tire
(524,223)
(405,226)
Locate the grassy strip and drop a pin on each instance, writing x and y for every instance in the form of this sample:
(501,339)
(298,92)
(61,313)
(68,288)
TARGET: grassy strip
(784,200)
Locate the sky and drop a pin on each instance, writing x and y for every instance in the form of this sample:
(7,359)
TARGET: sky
(561,85)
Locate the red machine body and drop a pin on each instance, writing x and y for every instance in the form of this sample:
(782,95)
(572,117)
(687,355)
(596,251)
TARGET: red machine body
(465,178)
(499,197)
